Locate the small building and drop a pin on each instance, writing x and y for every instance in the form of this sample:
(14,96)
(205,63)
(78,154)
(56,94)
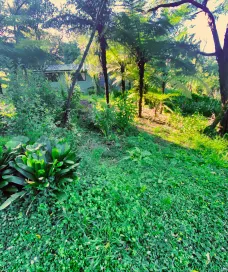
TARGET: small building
(62,73)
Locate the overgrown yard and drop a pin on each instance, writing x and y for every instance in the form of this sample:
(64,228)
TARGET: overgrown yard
(141,204)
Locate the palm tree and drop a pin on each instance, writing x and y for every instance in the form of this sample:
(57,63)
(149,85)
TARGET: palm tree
(118,64)
(83,18)
(145,39)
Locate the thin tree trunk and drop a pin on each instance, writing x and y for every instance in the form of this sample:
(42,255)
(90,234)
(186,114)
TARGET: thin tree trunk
(223,79)
(76,74)
(1,92)
(222,59)
(163,86)
(141,66)
(103,59)
(75,77)
(123,82)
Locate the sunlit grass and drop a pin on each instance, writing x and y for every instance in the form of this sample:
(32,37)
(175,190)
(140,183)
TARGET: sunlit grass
(188,132)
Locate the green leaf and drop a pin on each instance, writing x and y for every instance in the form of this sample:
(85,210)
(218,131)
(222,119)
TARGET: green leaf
(7,172)
(22,171)
(3,184)
(11,189)
(69,162)
(64,171)
(22,139)
(33,148)
(59,164)
(55,153)
(24,166)
(41,172)
(14,179)
(16,142)
(11,199)
(66,180)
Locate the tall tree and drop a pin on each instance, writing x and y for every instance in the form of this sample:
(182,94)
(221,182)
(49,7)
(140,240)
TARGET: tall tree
(146,39)
(82,18)
(21,26)
(76,74)
(118,64)
(174,69)
(221,53)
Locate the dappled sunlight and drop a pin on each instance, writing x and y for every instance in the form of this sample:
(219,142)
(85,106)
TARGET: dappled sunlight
(104,165)
(187,133)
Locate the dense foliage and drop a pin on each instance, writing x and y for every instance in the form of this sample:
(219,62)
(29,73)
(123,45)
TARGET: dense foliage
(204,105)
(141,202)
(35,167)
(113,169)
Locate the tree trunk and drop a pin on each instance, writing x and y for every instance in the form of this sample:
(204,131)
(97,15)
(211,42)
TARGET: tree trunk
(75,77)
(123,82)
(96,81)
(163,86)
(76,74)
(222,60)
(223,80)
(141,66)
(103,59)
(1,92)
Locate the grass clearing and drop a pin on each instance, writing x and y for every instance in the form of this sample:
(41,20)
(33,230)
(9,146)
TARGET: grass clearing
(142,203)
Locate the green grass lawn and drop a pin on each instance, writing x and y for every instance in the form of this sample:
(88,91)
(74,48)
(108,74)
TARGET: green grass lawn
(142,203)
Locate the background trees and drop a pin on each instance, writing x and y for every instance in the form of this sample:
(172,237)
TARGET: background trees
(149,42)
(157,44)
(21,27)
(221,53)
(83,16)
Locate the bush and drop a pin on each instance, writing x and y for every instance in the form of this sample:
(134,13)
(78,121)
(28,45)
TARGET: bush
(38,106)
(198,104)
(26,168)
(126,110)
(104,117)
(119,116)
(7,112)
(157,101)
(191,124)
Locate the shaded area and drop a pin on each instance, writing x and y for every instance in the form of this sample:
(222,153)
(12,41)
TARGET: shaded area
(160,206)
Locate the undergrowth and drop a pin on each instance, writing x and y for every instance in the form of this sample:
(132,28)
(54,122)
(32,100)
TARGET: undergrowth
(141,203)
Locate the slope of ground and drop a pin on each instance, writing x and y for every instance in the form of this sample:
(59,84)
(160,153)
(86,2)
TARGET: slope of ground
(142,203)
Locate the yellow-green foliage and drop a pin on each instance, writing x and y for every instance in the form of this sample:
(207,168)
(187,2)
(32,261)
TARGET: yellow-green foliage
(187,132)
(7,110)
(156,100)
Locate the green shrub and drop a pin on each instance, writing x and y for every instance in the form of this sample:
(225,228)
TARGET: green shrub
(125,112)
(38,106)
(7,112)
(116,93)
(191,124)
(91,91)
(198,104)
(104,117)
(119,116)
(8,153)
(35,167)
(157,101)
